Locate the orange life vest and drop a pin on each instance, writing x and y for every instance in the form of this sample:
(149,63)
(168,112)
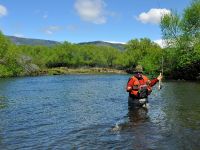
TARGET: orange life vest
(139,84)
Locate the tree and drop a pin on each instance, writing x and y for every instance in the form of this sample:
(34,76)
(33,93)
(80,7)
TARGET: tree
(4,46)
(182,33)
(144,52)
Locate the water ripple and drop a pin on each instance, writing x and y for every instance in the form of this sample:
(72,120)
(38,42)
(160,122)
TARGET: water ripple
(91,112)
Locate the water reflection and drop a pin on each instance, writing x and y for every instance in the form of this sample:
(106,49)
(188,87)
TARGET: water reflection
(134,117)
(183,104)
(138,115)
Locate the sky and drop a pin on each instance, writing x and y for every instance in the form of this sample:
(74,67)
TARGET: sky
(86,20)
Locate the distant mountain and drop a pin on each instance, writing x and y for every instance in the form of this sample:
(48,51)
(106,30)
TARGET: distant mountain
(28,41)
(119,46)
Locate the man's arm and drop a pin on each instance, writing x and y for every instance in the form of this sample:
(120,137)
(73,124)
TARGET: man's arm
(154,81)
(129,85)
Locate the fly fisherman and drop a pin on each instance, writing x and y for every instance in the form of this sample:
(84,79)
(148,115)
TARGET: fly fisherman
(139,87)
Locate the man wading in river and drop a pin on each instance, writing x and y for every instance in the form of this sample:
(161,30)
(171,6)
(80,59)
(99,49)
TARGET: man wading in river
(139,87)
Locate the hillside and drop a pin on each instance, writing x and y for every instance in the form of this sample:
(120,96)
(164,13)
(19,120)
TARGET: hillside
(102,43)
(28,41)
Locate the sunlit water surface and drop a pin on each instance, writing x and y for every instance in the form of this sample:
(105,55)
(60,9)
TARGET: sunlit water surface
(91,112)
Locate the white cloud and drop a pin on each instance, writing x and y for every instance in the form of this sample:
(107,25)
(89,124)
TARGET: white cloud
(91,10)
(3,10)
(18,35)
(52,29)
(115,42)
(153,16)
(161,42)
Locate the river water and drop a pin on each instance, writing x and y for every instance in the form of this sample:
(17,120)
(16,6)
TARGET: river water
(91,112)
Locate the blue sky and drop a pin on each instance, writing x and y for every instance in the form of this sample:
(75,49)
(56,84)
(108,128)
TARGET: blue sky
(85,20)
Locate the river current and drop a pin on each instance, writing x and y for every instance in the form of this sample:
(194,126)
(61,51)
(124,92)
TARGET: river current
(91,112)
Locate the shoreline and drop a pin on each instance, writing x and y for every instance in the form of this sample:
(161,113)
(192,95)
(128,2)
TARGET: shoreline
(65,70)
(81,71)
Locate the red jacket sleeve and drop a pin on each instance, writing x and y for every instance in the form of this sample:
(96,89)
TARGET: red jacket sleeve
(153,82)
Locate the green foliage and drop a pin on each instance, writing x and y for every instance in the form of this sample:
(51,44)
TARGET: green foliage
(8,58)
(18,59)
(144,52)
(182,33)
(181,57)
(4,45)
(191,19)
(171,28)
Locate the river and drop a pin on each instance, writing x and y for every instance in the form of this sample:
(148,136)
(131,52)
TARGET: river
(91,112)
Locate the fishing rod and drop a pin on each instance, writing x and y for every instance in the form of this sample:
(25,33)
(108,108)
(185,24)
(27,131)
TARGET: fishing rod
(161,73)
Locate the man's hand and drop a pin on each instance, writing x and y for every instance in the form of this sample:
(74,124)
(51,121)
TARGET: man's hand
(129,88)
(159,77)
